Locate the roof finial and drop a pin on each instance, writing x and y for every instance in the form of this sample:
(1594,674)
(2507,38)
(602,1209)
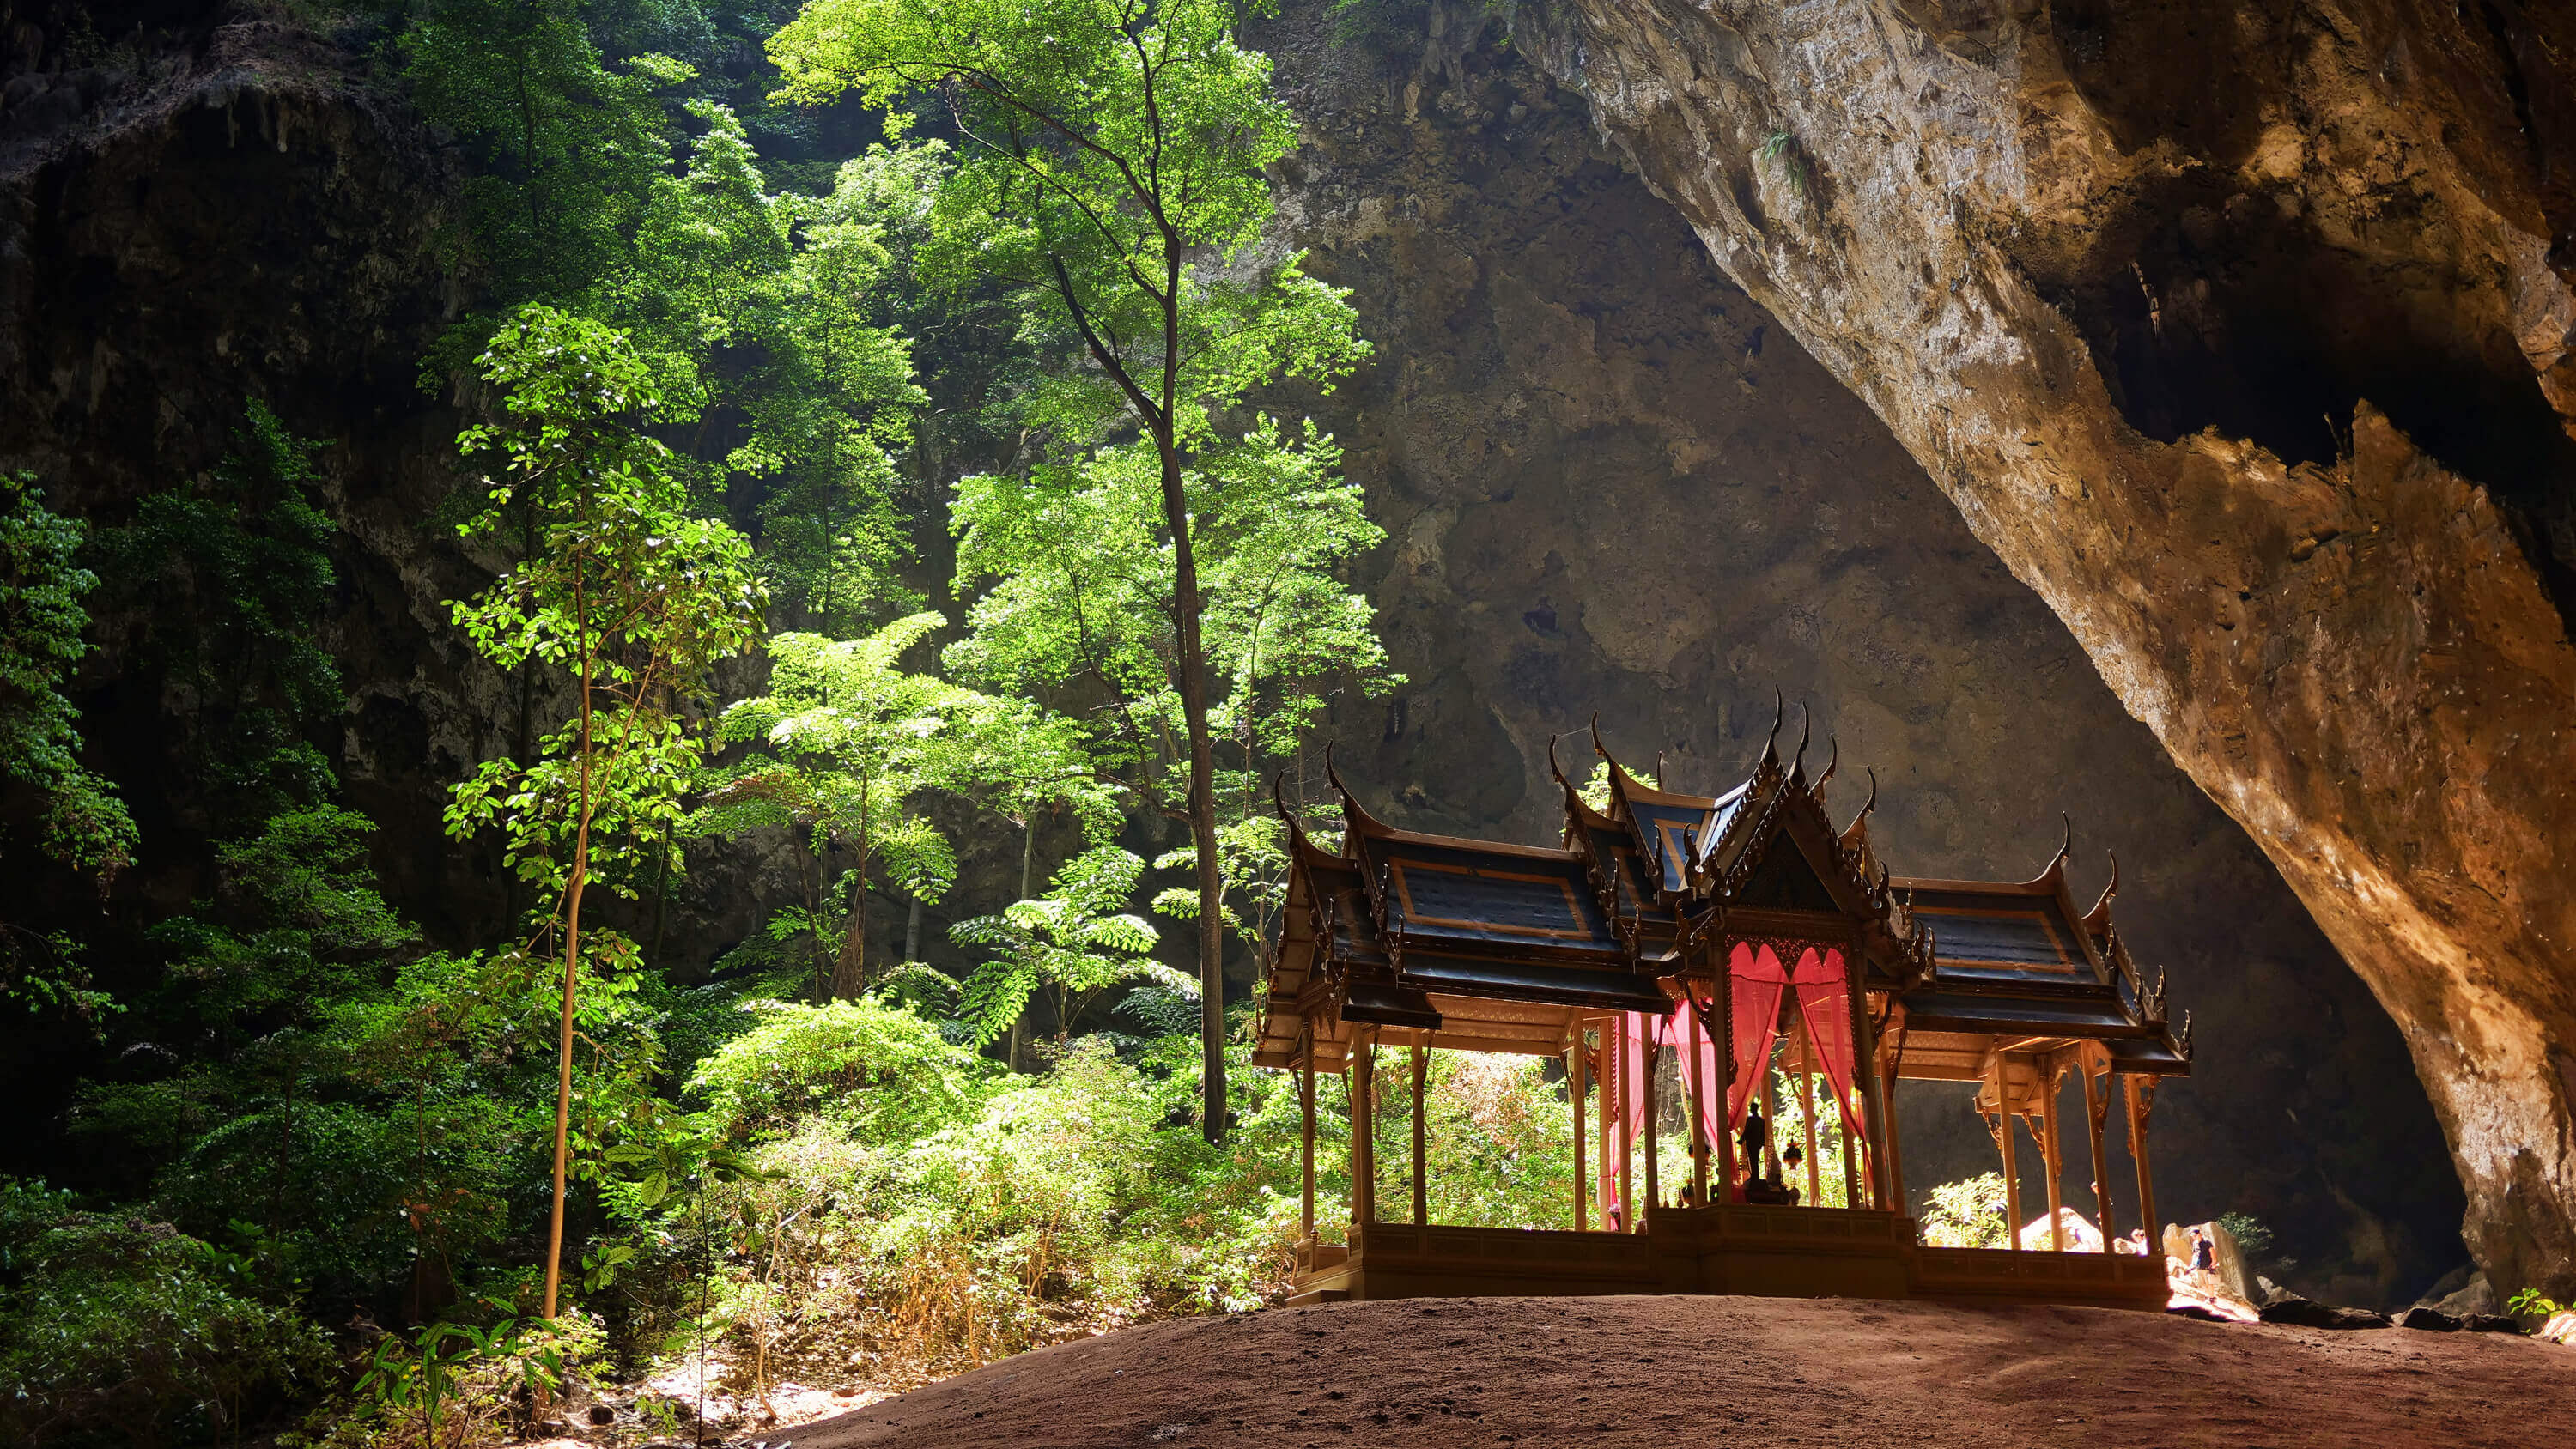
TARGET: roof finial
(1597,747)
(1779,712)
(1354,814)
(2099,918)
(2067,849)
(1831,760)
(1553,768)
(1806,728)
(1866,806)
(1279,798)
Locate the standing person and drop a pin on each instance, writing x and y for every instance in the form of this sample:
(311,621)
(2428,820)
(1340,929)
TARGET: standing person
(2204,1262)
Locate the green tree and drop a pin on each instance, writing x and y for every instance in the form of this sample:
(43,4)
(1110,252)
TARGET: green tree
(1968,1213)
(85,824)
(232,572)
(709,242)
(627,593)
(41,620)
(758,313)
(848,746)
(1112,163)
(1077,602)
(830,407)
(1074,944)
(562,150)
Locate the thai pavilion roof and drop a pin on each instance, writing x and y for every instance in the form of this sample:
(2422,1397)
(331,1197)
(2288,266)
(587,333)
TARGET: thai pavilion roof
(1768,844)
(2017,958)
(2025,933)
(1491,943)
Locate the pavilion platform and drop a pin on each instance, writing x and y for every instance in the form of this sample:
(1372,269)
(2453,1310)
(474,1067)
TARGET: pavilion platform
(1754,1251)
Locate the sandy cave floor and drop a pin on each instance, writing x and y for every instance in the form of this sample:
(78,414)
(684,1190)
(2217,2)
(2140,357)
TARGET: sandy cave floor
(1736,1371)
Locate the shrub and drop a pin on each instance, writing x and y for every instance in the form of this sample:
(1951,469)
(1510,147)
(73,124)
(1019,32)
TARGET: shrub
(2253,1239)
(121,1330)
(1968,1213)
(453,1385)
(1052,1206)
(878,1071)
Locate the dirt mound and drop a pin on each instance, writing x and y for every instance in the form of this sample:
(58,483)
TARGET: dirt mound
(1752,1371)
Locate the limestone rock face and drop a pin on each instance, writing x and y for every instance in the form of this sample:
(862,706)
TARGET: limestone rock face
(2240,333)
(1612,483)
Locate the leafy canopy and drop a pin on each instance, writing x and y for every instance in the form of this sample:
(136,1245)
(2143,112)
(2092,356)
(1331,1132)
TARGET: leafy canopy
(41,619)
(1078,592)
(1074,943)
(561,147)
(628,591)
(1112,153)
(848,749)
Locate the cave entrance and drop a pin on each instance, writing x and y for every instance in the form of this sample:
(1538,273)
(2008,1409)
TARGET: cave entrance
(1762,961)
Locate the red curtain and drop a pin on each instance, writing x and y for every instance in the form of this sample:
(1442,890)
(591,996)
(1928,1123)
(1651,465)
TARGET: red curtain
(1756,982)
(1753,1013)
(1824,999)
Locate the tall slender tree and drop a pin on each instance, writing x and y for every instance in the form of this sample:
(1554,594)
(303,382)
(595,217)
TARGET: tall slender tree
(1110,167)
(626,593)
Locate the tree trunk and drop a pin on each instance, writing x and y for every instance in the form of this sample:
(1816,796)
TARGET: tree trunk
(661,896)
(1191,665)
(850,971)
(572,971)
(1028,863)
(806,867)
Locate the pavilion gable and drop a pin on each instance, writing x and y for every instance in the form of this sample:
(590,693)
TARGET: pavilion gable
(1779,850)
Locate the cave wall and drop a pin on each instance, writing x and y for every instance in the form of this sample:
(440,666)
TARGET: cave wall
(2096,266)
(1612,481)
(222,216)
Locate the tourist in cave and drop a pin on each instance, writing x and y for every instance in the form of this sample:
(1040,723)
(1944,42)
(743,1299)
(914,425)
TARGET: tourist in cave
(2204,1261)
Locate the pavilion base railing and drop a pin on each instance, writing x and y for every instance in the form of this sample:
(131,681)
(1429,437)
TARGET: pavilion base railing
(1773,1252)
(1783,1252)
(2103,1280)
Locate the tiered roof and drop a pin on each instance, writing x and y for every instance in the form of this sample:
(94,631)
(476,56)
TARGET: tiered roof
(1494,946)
